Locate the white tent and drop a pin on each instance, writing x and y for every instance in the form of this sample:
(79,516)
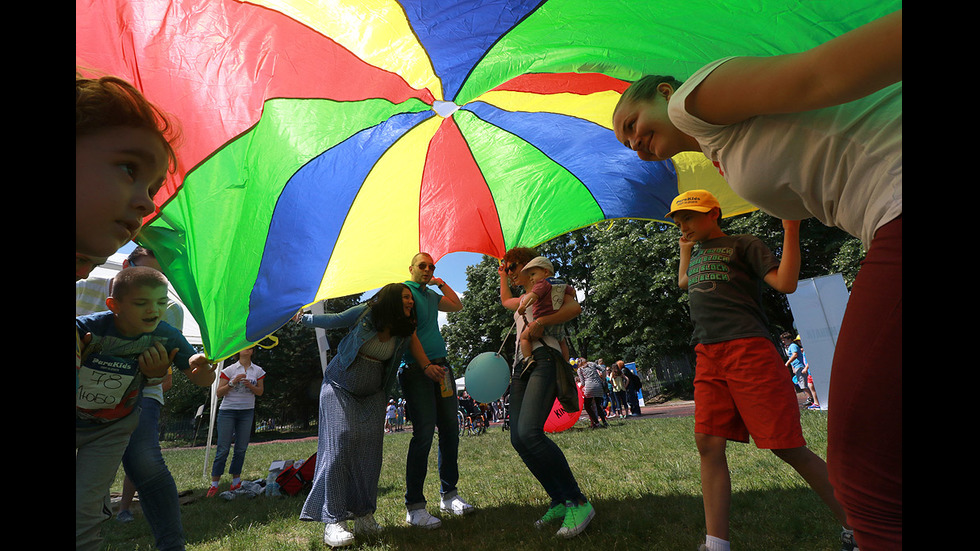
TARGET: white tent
(818,306)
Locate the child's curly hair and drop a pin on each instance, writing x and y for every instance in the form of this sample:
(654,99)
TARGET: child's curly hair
(520,255)
(109,101)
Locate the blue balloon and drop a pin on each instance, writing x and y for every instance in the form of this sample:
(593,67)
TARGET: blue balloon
(487,377)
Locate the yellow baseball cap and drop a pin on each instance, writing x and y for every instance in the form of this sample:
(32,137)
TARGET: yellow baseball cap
(697,200)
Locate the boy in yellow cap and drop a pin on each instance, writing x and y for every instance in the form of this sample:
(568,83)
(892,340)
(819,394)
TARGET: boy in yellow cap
(740,387)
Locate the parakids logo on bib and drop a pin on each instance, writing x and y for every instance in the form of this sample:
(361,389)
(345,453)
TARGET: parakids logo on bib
(111,364)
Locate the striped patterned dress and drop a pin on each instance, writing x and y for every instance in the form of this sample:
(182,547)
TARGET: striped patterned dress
(352,410)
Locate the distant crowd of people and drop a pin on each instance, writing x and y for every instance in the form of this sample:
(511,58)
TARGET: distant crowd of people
(609,391)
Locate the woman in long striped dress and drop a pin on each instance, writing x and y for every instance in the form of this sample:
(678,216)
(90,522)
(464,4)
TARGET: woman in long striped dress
(355,387)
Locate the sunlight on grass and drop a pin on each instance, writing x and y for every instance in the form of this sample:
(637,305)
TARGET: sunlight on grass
(642,476)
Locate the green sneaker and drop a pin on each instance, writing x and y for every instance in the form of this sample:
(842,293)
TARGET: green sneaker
(557,512)
(577,517)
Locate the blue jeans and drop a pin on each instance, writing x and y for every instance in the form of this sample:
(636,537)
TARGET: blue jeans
(233,424)
(427,409)
(530,405)
(145,467)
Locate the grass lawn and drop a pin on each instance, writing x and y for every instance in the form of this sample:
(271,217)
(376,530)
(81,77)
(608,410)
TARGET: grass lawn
(641,475)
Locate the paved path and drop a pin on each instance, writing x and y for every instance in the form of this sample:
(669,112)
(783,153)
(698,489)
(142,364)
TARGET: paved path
(681,408)
(673,408)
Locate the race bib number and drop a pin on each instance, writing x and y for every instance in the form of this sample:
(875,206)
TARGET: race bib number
(109,378)
(106,382)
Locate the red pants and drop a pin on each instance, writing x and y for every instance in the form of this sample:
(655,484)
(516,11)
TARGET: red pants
(864,425)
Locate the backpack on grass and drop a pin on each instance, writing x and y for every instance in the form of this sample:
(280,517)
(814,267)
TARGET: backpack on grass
(297,477)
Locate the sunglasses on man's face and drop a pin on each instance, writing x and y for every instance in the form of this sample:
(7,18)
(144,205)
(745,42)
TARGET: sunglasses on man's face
(425,266)
(510,268)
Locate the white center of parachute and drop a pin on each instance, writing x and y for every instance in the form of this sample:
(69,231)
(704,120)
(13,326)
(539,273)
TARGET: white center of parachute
(444,108)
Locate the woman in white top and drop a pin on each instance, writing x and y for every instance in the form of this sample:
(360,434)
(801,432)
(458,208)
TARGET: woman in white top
(532,397)
(238,386)
(816,134)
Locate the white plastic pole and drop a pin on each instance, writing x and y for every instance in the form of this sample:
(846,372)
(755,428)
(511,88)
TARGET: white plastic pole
(214,414)
(321,335)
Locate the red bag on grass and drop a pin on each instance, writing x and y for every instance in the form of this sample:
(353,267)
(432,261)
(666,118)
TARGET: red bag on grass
(293,480)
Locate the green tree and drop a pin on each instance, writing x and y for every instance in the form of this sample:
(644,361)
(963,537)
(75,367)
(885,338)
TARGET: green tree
(294,373)
(293,376)
(635,311)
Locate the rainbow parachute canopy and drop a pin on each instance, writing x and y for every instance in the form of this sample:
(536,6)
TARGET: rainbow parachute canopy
(326,142)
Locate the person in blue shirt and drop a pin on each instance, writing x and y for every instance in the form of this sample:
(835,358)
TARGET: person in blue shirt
(796,361)
(430,393)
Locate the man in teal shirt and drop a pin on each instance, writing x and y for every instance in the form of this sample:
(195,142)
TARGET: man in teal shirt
(430,393)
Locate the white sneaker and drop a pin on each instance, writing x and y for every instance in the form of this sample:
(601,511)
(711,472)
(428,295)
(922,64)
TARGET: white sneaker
(366,525)
(455,506)
(335,534)
(422,519)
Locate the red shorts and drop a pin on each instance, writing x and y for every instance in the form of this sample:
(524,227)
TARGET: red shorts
(741,389)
